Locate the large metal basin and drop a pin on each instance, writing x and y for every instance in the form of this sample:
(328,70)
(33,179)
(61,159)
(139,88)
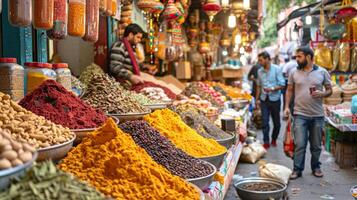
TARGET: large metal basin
(205,181)
(215,160)
(129,116)
(227,142)
(156,106)
(55,152)
(8,174)
(245,194)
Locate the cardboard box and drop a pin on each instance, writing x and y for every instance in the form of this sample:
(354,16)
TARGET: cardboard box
(183,70)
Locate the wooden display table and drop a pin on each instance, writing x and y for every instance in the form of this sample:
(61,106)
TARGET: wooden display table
(223,75)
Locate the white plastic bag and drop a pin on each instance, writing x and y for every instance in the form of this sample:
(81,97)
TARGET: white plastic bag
(251,153)
(274,171)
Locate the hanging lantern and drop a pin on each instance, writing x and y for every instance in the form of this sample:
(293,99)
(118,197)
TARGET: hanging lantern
(211,8)
(171,12)
(237,7)
(181,18)
(157,8)
(146,5)
(232,21)
(225,41)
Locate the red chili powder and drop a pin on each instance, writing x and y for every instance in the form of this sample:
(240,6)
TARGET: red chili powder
(52,101)
(139,87)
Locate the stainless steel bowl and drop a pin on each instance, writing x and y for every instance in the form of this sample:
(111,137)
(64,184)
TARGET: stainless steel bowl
(129,116)
(260,195)
(239,104)
(202,195)
(215,160)
(204,182)
(55,152)
(227,142)
(82,133)
(156,106)
(8,174)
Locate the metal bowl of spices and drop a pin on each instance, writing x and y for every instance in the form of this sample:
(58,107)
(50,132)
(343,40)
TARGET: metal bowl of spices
(257,188)
(205,181)
(82,133)
(215,160)
(55,152)
(15,172)
(227,142)
(129,116)
(156,106)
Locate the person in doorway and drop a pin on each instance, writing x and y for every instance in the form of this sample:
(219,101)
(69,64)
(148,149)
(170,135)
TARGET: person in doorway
(123,61)
(310,84)
(270,82)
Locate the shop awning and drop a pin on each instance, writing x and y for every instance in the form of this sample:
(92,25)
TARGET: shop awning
(303,11)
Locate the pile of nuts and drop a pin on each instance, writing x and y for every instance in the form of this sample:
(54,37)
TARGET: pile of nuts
(155,93)
(104,93)
(27,127)
(13,153)
(205,92)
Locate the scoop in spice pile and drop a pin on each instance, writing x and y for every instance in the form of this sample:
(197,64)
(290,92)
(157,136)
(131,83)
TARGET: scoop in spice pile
(110,161)
(52,101)
(45,181)
(169,124)
(104,93)
(192,117)
(164,152)
(27,127)
(13,153)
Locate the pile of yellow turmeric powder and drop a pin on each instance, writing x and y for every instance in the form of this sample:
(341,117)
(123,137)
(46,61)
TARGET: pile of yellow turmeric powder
(169,124)
(110,161)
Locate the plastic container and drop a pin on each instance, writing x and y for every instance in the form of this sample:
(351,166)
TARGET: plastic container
(11,78)
(92,21)
(59,30)
(76,18)
(63,75)
(103,6)
(37,73)
(43,14)
(20,12)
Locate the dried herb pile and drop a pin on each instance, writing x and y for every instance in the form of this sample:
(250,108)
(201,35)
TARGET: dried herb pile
(88,73)
(44,181)
(192,117)
(104,93)
(164,152)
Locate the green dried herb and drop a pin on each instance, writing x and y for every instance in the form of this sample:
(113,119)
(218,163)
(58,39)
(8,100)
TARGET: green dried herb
(45,181)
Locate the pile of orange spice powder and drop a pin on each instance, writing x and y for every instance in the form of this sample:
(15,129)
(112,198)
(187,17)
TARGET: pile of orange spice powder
(109,160)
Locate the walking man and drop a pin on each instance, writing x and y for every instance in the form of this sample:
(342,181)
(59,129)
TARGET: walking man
(310,84)
(270,82)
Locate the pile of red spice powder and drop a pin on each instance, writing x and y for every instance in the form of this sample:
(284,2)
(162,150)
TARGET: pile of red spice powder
(52,101)
(137,88)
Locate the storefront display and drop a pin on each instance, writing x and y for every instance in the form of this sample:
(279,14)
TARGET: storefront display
(20,12)
(12,78)
(55,103)
(76,18)
(37,73)
(43,14)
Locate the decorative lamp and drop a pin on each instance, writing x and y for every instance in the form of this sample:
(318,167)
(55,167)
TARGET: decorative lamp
(171,12)
(146,5)
(246,4)
(157,8)
(308,20)
(225,5)
(211,8)
(232,21)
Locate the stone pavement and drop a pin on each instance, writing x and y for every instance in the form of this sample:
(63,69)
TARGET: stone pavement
(335,184)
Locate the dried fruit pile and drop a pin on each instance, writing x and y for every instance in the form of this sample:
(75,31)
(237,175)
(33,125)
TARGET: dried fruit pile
(205,92)
(104,93)
(164,152)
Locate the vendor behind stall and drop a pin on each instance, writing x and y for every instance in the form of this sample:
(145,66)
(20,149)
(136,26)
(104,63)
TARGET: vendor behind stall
(123,60)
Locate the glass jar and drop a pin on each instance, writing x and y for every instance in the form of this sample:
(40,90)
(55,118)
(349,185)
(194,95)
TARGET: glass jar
(76,18)
(43,14)
(37,73)
(92,21)
(11,78)
(103,6)
(20,12)
(59,30)
(63,75)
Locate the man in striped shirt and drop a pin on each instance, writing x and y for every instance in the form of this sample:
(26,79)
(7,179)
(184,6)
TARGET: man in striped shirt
(123,61)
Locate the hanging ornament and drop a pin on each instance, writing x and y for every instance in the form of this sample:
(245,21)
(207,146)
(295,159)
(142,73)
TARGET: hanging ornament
(322,20)
(225,41)
(171,12)
(346,2)
(181,18)
(211,8)
(146,5)
(157,8)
